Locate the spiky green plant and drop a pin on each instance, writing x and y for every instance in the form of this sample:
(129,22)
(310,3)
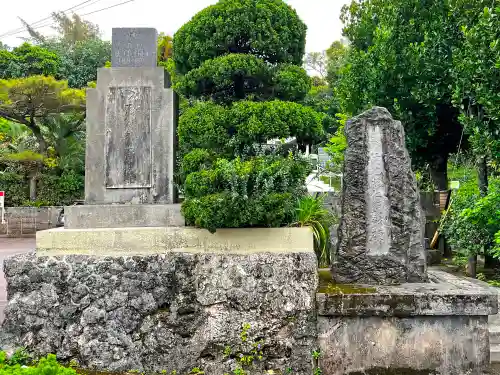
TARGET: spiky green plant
(311,212)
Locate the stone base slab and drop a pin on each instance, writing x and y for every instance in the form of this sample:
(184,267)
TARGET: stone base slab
(164,313)
(440,327)
(445,294)
(430,345)
(137,241)
(123,215)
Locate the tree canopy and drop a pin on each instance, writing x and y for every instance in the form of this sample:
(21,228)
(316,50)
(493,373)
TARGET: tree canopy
(239,63)
(401,57)
(269,29)
(32,100)
(27,60)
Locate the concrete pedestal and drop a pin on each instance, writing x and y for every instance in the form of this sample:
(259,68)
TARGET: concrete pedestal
(440,327)
(167,307)
(123,216)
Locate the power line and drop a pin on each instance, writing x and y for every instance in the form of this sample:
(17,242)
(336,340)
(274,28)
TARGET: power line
(51,22)
(85,14)
(43,19)
(85,6)
(112,6)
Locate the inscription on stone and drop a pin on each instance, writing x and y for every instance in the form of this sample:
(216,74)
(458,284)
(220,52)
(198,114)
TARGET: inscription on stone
(378,222)
(128,138)
(134,47)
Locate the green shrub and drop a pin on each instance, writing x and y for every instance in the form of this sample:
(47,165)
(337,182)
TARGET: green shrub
(234,60)
(310,211)
(473,221)
(259,192)
(224,210)
(269,29)
(291,83)
(46,366)
(227,78)
(229,131)
(195,160)
(235,77)
(204,126)
(16,188)
(60,190)
(258,122)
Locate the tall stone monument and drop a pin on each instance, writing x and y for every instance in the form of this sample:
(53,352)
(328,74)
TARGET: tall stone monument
(382,228)
(131,129)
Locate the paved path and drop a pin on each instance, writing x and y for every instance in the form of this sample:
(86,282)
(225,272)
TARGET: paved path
(9,247)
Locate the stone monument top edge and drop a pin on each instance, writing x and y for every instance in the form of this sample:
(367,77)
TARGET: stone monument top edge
(134,47)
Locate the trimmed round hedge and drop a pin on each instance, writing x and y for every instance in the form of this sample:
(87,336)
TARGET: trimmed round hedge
(269,29)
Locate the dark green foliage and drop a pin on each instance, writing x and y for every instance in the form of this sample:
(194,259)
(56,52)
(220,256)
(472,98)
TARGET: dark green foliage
(400,57)
(52,190)
(27,60)
(224,131)
(227,78)
(233,77)
(79,62)
(16,188)
(203,126)
(60,190)
(259,192)
(46,366)
(477,78)
(236,58)
(291,82)
(269,29)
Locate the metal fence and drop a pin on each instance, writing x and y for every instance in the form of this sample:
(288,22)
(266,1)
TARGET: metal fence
(26,221)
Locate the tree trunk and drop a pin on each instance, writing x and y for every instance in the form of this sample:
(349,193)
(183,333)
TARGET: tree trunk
(482,174)
(471,266)
(439,173)
(32,178)
(42,145)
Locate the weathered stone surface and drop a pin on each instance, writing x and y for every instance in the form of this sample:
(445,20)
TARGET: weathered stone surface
(164,312)
(131,127)
(128,138)
(437,345)
(134,47)
(438,328)
(123,215)
(381,229)
(446,295)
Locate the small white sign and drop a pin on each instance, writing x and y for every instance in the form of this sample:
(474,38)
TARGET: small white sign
(454,185)
(2,200)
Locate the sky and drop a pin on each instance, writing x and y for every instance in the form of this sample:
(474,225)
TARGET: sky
(320,16)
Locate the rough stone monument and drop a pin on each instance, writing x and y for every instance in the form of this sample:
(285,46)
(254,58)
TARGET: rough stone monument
(131,132)
(381,230)
(381,311)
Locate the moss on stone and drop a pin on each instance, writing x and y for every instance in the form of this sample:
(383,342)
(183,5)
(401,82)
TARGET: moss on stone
(328,286)
(393,371)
